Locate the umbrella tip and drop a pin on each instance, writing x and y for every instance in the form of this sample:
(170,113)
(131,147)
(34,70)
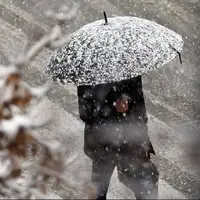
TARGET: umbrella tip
(105,17)
(179,54)
(180,57)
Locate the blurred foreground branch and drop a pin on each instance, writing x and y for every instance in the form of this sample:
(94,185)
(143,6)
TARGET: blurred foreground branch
(17,142)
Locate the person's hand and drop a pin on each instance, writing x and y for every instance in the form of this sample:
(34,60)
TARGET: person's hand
(121,105)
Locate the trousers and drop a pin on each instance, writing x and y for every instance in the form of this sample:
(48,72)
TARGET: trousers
(138,174)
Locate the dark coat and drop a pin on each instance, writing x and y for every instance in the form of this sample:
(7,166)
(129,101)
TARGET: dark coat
(107,130)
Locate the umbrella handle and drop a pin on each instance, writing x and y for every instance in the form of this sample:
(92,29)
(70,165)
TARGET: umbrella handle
(105,17)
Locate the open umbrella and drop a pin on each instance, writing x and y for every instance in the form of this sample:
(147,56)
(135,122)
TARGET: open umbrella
(113,50)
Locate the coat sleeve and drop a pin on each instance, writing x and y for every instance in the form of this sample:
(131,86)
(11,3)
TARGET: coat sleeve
(86,101)
(141,109)
(140,102)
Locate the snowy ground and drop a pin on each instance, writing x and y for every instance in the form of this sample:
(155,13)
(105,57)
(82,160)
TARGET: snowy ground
(172,95)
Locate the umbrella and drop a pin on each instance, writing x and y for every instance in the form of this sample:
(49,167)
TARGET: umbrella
(113,50)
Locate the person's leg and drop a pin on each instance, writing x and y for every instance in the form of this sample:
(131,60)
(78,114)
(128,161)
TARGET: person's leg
(147,181)
(141,176)
(101,174)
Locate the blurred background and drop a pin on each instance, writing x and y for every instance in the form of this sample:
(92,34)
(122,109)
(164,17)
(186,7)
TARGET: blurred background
(172,93)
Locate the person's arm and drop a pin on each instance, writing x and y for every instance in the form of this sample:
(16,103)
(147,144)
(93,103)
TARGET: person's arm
(86,101)
(140,102)
(141,109)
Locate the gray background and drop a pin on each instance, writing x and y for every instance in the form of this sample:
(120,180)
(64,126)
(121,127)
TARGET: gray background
(172,93)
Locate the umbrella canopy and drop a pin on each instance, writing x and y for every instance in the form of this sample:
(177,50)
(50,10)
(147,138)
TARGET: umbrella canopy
(121,48)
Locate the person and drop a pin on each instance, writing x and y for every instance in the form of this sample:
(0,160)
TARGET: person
(116,135)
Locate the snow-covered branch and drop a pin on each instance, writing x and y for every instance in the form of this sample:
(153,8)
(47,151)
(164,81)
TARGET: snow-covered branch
(53,40)
(16,138)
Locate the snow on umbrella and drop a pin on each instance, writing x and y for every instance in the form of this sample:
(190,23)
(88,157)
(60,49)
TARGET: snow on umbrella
(117,49)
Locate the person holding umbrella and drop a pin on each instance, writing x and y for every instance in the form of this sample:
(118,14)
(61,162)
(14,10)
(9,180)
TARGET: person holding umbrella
(106,60)
(116,135)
